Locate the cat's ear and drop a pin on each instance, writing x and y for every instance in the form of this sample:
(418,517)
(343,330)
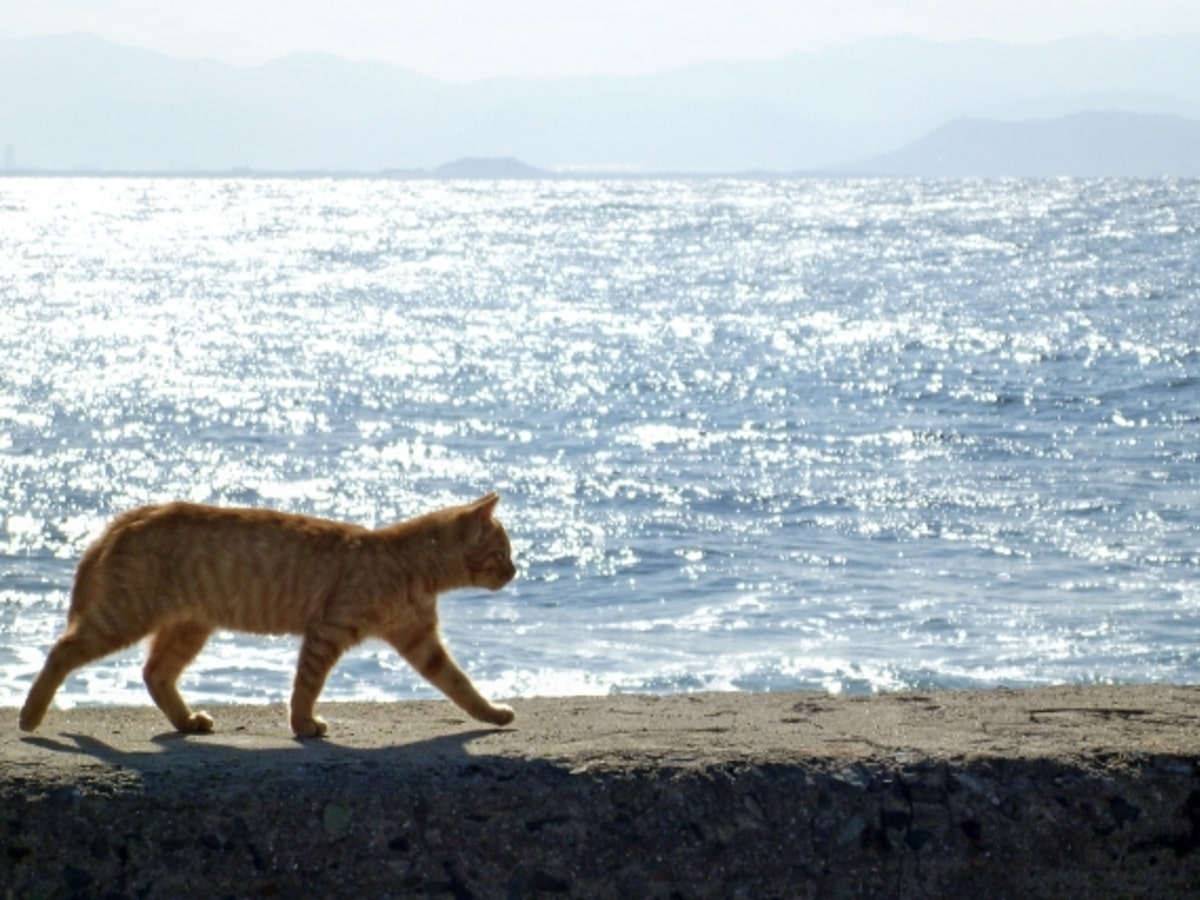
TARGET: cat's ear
(479,516)
(484,506)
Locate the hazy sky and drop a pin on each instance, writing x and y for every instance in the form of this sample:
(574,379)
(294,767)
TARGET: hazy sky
(470,39)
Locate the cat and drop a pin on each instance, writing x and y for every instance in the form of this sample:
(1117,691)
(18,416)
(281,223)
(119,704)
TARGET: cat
(180,570)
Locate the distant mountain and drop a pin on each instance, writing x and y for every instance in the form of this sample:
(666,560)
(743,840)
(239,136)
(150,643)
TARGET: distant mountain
(479,167)
(1083,144)
(75,101)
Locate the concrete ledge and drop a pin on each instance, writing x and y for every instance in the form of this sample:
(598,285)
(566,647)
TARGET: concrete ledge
(1048,792)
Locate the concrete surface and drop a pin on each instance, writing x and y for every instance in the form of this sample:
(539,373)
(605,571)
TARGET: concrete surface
(1062,791)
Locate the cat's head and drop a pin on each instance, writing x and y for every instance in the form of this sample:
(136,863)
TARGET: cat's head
(487,552)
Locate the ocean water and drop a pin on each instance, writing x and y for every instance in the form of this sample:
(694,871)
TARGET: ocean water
(759,435)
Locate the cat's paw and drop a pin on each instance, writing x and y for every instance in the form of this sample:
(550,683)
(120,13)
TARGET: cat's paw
(313,726)
(30,719)
(501,714)
(197,723)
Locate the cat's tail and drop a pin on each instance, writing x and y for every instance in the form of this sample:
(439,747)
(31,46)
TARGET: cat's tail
(70,651)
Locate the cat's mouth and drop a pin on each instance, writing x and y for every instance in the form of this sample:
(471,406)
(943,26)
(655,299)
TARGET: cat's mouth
(495,575)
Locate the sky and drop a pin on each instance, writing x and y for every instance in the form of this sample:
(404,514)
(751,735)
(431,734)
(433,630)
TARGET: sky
(467,40)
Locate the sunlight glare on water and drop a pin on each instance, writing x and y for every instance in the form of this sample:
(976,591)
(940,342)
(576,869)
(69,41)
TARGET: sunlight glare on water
(843,435)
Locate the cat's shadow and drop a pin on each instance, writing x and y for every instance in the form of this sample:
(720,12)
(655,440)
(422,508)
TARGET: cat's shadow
(171,751)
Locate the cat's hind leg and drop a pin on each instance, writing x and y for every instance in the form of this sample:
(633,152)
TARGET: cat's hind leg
(425,652)
(82,642)
(173,647)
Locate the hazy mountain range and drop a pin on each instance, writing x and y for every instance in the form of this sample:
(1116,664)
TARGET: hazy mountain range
(889,106)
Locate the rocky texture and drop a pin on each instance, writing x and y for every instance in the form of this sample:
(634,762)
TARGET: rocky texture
(1049,792)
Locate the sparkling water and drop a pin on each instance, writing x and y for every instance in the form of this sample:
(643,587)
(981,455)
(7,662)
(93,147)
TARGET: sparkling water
(846,435)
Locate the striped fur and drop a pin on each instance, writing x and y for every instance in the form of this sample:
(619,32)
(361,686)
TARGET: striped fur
(178,572)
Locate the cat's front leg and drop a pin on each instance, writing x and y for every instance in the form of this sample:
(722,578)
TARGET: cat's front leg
(425,652)
(323,646)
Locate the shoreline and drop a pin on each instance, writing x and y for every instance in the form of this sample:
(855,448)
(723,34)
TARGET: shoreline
(999,792)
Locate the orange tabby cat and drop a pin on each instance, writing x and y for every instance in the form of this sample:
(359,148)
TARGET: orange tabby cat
(179,571)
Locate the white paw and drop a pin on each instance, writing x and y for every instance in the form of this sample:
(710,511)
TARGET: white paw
(198,723)
(312,727)
(501,714)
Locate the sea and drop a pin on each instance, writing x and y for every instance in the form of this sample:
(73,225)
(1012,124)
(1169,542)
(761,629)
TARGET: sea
(750,434)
